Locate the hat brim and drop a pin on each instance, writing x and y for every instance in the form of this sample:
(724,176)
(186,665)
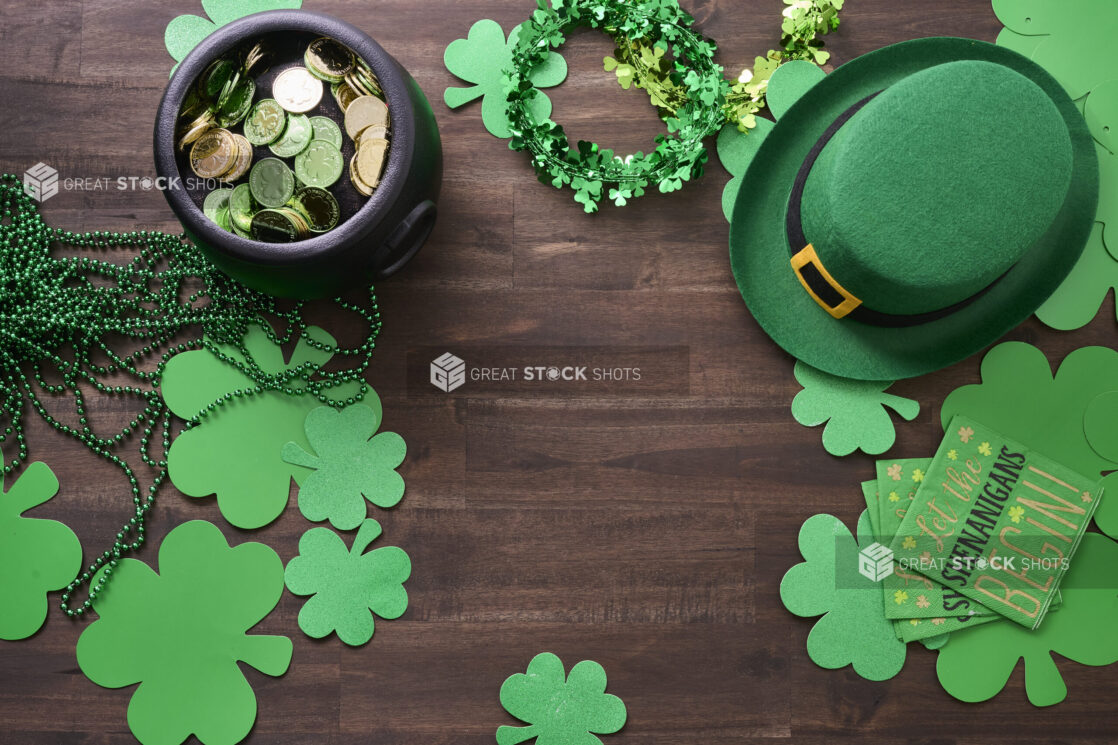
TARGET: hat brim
(759,251)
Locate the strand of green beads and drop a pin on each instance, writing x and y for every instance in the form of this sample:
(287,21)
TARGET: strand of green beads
(49,303)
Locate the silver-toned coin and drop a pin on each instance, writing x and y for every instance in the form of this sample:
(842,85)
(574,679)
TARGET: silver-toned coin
(297,90)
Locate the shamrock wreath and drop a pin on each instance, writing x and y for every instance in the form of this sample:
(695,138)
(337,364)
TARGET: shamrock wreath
(589,170)
(686,85)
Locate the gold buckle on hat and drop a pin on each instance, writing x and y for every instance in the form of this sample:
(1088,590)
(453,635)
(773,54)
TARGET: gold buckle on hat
(807,256)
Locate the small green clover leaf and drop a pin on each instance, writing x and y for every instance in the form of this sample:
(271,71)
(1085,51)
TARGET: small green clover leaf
(560,709)
(855,411)
(481,59)
(180,633)
(736,148)
(351,465)
(186,31)
(976,665)
(347,584)
(1021,397)
(36,556)
(853,629)
(236,451)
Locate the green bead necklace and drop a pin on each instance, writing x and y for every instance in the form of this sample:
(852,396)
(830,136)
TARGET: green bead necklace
(87,306)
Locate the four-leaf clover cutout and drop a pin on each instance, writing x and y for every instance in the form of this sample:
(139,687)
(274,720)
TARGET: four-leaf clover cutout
(348,585)
(36,556)
(351,465)
(1016,512)
(481,59)
(560,709)
(181,633)
(855,410)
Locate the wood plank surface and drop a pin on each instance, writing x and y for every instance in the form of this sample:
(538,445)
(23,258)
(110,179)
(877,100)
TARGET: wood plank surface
(646,530)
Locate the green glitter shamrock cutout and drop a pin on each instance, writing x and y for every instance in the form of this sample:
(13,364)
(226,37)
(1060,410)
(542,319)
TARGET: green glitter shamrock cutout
(36,555)
(186,31)
(855,411)
(351,465)
(853,629)
(560,709)
(1020,396)
(180,633)
(976,665)
(236,449)
(349,586)
(736,148)
(481,59)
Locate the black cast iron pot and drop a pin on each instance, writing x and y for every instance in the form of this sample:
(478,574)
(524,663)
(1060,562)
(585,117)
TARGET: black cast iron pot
(378,235)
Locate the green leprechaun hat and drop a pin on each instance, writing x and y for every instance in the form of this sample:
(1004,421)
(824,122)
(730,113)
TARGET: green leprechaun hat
(913,206)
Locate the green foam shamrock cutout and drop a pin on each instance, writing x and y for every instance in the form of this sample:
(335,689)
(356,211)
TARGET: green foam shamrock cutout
(1075,44)
(1023,45)
(1079,297)
(36,556)
(480,59)
(180,633)
(853,629)
(236,452)
(184,32)
(1101,112)
(976,665)
(735,152)
(560,709)
(736,149)
(1100,425)
(347,584)
(1020,397)
(855,411)
(351,465)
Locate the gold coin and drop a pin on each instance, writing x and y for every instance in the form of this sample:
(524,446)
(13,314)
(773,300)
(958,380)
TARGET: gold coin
(297,90)
(368,79)
(375,132)
(362,85)
(302,227)
(366,111)
(355,179)
(370,161)
(213,153)
(253,57)
(329,57)
(344,95)
(195,129)
(241,162)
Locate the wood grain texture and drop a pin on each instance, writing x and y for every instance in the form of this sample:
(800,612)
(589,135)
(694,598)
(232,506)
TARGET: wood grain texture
(649,533)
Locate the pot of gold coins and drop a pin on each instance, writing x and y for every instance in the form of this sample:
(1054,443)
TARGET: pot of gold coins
(298,154)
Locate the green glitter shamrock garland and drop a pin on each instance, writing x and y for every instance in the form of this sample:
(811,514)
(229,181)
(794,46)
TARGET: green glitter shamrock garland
(657,51)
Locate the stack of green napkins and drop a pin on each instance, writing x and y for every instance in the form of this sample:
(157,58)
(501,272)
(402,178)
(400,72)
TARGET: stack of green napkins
(984,530)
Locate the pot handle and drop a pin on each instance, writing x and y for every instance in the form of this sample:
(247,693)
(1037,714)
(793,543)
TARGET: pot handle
(406,240)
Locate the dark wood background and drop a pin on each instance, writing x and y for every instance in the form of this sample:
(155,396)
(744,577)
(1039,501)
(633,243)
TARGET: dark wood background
(646,531)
